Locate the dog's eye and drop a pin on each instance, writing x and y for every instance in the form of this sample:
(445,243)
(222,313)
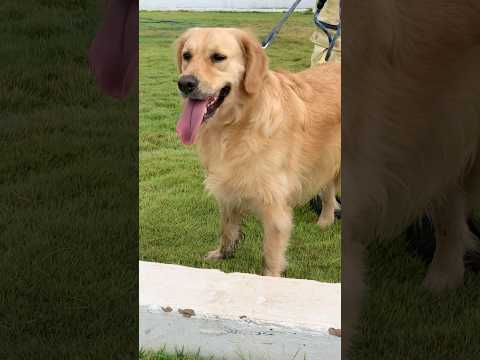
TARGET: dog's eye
(187,56)
(218,57)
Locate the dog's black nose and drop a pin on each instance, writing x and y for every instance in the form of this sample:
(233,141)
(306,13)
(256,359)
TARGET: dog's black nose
(187,84)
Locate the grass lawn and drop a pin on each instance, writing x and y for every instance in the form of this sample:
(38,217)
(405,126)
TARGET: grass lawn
(178,221)
(68,191)
(404,321)
(164,355)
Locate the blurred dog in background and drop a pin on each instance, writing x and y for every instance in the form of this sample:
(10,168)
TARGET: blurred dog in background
(410,134)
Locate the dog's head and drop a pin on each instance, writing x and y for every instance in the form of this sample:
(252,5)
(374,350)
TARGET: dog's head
(216,66)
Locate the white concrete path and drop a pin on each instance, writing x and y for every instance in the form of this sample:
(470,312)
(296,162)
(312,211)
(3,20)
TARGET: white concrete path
(223,5)
(237,314)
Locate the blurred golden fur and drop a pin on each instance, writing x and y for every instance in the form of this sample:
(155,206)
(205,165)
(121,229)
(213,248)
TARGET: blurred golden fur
(273,144)
(411,134)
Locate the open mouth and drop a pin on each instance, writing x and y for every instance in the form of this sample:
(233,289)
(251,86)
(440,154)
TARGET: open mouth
(214,102)
(196,112)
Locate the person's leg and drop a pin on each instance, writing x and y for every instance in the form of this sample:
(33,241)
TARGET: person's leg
(320,47)
(330,14)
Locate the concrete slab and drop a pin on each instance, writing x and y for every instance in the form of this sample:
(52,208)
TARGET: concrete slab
(237,315)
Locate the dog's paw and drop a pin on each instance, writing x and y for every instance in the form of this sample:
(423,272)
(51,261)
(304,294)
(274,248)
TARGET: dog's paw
(440,280)
(275,270)
(274,273)
(215,255)
(324,222)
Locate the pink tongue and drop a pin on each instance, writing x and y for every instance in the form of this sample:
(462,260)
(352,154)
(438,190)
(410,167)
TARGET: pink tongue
(191,119)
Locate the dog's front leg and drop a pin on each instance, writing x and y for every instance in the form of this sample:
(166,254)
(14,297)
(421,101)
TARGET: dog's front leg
(230,220)
(277,226)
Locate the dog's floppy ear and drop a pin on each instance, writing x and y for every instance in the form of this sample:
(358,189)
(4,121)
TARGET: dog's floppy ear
(179,44)
(256,62)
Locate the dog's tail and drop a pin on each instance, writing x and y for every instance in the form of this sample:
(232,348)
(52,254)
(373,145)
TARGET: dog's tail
(420,239)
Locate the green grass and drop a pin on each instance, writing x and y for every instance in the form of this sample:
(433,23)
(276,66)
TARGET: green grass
(178,221)
(68,190)
(404,321)
(165,355)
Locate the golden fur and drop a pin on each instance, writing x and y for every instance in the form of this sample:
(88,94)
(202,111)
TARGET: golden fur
(411,134)
(273,144)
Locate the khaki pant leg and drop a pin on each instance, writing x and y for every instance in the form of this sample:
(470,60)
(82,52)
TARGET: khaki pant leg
(331,15)
(320,47)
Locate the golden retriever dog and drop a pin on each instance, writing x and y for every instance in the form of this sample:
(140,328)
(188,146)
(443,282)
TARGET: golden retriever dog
(410,134)
(268,140)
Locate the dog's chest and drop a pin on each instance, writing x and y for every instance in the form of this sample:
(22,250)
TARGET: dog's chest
(242,169)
